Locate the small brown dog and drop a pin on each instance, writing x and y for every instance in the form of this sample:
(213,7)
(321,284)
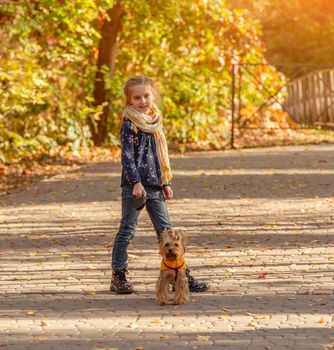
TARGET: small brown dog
(172,247)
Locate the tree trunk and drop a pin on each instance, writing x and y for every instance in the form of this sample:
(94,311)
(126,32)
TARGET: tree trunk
(106,57)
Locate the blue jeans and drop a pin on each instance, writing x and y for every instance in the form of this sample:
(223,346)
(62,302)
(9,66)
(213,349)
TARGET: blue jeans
(157,210)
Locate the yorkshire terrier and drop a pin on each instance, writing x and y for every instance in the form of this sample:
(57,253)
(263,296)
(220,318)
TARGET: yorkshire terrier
(172,247)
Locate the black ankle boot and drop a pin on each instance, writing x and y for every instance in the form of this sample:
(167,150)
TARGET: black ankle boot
(195,286)
(119,284)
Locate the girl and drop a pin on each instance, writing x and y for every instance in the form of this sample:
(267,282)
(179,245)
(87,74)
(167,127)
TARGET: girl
(146,175)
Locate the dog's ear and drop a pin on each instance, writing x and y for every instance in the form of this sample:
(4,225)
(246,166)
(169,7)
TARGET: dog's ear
(163,234)
(170,233)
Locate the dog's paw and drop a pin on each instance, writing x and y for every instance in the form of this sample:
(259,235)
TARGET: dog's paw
(179,301)
(161,301)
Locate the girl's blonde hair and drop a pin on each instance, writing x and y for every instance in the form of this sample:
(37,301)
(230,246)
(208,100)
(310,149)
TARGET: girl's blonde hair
(140,80)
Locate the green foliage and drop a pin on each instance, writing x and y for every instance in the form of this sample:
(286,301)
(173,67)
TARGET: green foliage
(191,53)
(49,51)
(47,73)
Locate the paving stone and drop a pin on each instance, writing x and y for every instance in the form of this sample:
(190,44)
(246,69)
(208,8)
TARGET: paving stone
(264,244)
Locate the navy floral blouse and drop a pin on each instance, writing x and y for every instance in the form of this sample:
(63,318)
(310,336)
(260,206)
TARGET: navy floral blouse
(139,158)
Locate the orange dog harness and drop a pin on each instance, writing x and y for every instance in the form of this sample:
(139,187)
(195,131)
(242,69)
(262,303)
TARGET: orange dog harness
(174,265)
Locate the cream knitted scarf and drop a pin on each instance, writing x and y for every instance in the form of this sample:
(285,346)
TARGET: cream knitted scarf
(152,124)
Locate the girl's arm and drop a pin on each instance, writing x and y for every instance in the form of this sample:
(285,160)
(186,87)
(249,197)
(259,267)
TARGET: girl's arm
(128,160)
(128,154)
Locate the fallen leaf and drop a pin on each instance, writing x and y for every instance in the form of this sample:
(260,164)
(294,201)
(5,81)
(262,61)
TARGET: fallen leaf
(156,321)
(164,336)
(40,338)
(43,322)
(251,324)
(31,313)
(203,337)
(261,317)
(18,278)
(198,254)
(108,244)
(262,275)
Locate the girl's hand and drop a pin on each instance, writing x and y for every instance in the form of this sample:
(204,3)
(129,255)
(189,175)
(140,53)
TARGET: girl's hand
(139,190)
(168,192)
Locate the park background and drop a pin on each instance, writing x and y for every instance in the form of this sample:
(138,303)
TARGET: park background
(259,220)
(64,64)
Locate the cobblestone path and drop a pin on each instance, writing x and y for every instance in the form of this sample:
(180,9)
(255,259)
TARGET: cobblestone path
(260,229)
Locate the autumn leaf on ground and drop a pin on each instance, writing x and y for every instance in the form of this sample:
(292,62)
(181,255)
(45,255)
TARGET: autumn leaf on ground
(203,337)
(164,336)
(228,246)
(108,244)
(91,293)
(262,275)
(261,317)
(223,317)
(251,324)
(18,278)
(43,322)
(31,313)
(198,254)
(156,321)
(40,338)
(321,321)
(35,238)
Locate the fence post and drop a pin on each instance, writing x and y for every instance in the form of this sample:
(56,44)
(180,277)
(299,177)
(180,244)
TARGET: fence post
(233,106)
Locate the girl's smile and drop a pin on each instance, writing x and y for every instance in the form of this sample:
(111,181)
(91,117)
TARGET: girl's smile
(142,98)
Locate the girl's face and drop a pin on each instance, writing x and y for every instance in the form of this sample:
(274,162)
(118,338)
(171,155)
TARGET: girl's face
(142,98)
